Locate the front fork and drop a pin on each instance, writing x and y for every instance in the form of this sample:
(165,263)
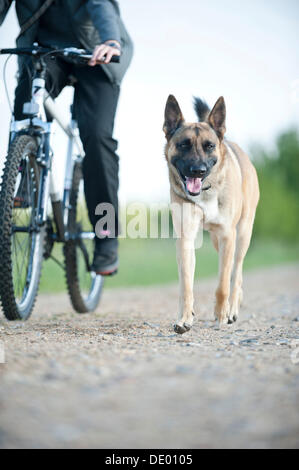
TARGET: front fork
(44,160)
(41,131)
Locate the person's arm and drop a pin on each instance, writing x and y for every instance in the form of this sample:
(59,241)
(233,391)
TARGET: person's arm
(104,17)
(4,7)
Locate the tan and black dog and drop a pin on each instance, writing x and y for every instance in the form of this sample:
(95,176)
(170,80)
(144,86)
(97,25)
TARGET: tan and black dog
(219,183)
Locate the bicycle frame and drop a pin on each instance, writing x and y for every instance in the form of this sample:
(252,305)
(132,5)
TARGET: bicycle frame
(37,125)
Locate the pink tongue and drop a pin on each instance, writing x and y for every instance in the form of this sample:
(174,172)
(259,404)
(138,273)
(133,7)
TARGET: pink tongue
(194,185)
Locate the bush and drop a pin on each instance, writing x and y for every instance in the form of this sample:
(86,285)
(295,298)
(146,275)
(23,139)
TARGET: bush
(278,211)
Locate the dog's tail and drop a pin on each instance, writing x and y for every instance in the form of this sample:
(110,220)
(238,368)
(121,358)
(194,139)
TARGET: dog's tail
(201,108)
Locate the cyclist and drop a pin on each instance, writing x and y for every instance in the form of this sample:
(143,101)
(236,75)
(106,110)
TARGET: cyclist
(95,25)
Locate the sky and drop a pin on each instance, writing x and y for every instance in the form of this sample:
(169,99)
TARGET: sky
(246,51)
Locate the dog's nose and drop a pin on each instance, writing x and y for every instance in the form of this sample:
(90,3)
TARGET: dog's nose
(198,170)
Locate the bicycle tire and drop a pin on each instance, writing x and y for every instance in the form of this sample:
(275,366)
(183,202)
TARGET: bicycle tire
(23,147)
(82,303)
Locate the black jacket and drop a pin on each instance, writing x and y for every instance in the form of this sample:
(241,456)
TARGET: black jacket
(93,22)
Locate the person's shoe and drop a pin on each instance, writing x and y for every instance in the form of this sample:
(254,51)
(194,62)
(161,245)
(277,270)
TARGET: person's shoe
(105,260)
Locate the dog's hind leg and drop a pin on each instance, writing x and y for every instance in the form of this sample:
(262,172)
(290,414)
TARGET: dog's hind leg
(227,243)
(186,220)
(244,233)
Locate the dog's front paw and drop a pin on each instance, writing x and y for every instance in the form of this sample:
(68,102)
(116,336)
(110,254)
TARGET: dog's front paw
(222,313)
(235,307)
(232,319)
(182,327)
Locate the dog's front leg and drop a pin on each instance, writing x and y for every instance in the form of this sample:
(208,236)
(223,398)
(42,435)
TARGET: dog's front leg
(186,223)
(186,268)
(227,244)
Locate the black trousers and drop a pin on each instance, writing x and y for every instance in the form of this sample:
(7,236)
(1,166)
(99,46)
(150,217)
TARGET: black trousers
(95,103)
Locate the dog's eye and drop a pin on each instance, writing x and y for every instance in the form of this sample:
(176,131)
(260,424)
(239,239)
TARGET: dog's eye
(209,146)
(186,144)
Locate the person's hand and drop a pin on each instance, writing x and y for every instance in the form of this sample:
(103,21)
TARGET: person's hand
(103,53)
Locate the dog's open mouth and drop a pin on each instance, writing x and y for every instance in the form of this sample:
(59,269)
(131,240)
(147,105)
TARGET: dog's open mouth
(193,186)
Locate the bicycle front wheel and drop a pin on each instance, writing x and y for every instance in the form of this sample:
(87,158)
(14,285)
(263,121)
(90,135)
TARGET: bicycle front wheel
(21,239)
(84,286)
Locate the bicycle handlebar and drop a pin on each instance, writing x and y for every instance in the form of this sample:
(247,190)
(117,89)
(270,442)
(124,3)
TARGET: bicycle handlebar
(80,56)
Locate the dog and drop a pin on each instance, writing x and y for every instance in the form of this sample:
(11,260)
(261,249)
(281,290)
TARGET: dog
(218,182)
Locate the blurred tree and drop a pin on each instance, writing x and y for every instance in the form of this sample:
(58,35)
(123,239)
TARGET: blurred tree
(288,158)
(278,211)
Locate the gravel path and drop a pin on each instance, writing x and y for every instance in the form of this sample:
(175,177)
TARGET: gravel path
(120,378)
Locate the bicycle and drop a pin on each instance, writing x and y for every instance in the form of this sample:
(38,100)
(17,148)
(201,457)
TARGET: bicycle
(27,230)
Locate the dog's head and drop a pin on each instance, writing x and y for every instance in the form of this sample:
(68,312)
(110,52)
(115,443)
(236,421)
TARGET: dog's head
(194,150)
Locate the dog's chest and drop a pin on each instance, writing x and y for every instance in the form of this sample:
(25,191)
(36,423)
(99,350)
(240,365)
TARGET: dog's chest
(209,204)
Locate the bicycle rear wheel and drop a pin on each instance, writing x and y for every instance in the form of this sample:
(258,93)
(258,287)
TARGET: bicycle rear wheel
(84,286)
(21,239)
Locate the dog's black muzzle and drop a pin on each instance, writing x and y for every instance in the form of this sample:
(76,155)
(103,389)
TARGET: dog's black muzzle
(193,170)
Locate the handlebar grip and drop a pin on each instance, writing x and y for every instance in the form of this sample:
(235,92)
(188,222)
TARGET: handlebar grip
(84,58)
(115,59)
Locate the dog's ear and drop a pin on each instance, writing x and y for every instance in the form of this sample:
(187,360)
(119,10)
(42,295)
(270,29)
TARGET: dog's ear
(217,118)
(173,117)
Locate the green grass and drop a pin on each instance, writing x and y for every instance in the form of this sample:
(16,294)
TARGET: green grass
(53,278)
(150,262)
